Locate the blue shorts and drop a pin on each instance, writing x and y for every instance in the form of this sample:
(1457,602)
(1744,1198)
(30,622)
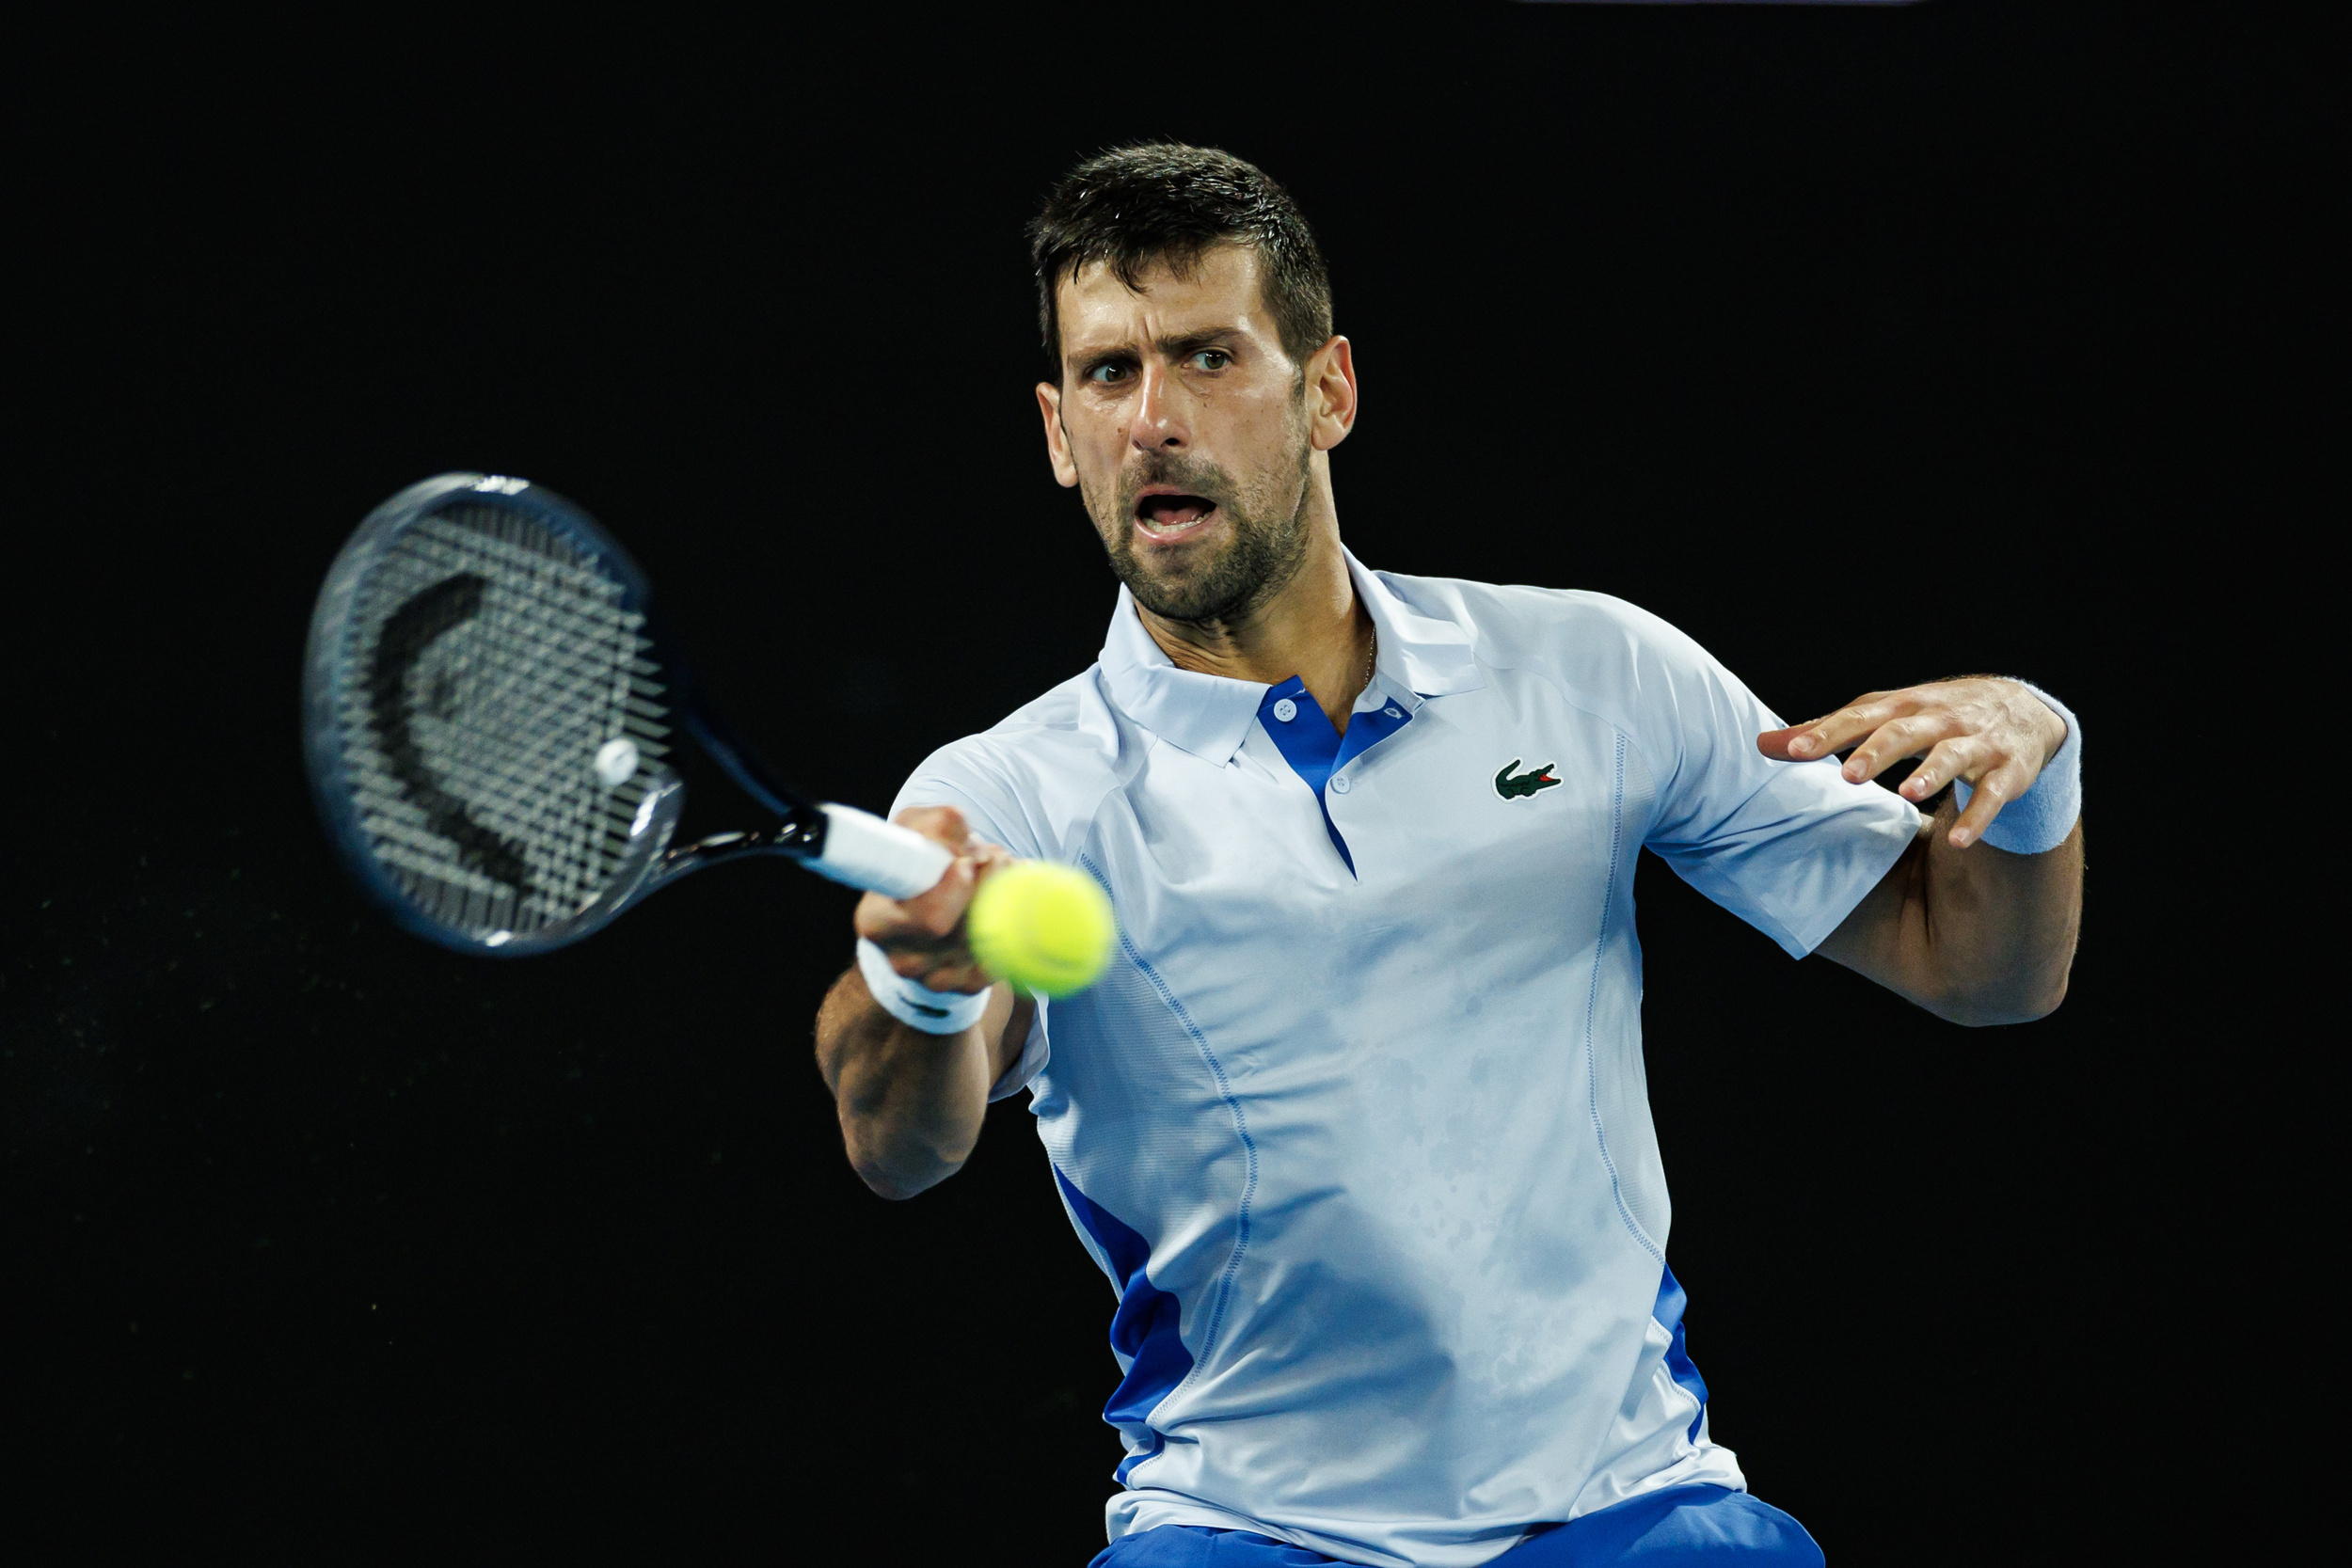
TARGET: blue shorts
(1661,1530)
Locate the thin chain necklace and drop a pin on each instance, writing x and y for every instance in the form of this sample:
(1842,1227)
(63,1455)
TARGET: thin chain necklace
(1372,660)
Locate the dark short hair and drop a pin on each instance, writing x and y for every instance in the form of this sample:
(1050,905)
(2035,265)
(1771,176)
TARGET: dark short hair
(1167,202)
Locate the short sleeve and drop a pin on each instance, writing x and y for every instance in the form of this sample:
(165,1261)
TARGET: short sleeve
(1034,1053)
(951,777)
(1790,848)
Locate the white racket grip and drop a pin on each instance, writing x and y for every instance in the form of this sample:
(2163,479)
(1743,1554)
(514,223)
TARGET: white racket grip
(866,852)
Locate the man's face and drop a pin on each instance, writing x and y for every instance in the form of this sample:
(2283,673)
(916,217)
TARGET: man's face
(1186,430)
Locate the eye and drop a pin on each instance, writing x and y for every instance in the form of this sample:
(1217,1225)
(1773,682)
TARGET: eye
(1107,375)
(1210,359)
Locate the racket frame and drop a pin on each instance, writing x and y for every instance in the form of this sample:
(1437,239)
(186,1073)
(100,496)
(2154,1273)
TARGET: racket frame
(649,861)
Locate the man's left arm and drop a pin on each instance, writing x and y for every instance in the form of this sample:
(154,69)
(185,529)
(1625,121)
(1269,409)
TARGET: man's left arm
(1974,933)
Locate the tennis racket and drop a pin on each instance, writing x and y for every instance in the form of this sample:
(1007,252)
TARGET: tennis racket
(487,714)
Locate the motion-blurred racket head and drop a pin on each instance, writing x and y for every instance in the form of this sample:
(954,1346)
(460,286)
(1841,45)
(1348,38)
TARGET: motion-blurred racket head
(483,717)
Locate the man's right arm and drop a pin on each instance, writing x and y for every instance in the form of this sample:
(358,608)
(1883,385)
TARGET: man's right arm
(912,1103)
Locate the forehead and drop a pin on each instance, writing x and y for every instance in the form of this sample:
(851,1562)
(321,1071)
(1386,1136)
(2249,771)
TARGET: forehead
(1218,292)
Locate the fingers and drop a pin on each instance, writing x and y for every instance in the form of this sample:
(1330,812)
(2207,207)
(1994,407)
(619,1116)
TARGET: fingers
(1895,724)
(1903,737)
(1961,757)
(1996,789)
(1990,731)
(923,936)
(924,920)
(932,914)
(944,824)
(1837,730)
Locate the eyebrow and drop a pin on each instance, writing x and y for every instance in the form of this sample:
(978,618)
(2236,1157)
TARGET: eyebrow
(1188,343)
(1181,345)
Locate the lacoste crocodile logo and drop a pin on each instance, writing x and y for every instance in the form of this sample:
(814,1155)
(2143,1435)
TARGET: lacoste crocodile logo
(1526,784)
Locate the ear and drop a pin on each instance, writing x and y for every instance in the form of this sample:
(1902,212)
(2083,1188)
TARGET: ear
(1331,393)
(1057,438)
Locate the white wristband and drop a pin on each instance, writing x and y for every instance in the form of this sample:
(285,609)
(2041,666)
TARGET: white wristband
(2039,819)
(934,1012)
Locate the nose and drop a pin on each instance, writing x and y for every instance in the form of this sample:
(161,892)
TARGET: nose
(1161,421)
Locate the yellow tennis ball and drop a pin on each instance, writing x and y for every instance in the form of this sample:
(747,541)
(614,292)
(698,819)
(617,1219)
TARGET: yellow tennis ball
(1043,927)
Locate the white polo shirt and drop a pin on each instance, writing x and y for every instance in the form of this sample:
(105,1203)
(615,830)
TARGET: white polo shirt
(1357,1123)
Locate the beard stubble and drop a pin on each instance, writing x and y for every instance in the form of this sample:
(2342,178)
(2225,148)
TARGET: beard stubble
(1266,545)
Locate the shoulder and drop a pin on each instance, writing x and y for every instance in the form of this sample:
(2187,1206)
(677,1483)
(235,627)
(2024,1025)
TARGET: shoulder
(1602,648)
(1028,778)
(1053,736)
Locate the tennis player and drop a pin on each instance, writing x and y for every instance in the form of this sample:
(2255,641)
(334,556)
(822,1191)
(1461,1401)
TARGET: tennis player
(1356,1124)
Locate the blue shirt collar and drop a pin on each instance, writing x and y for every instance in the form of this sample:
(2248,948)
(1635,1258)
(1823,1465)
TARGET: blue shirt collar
(1420,657)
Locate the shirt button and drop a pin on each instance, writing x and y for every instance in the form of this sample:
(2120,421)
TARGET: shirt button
(1338,784)
(1286,710)
(1395,712)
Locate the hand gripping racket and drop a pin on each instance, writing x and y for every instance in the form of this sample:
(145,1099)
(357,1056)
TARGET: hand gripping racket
(486,716)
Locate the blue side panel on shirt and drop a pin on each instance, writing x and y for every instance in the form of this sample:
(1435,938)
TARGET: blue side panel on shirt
(1668,1312)
(1146,1331)
(1315,750)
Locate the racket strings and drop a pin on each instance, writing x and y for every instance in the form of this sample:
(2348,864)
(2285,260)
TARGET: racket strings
(499,661)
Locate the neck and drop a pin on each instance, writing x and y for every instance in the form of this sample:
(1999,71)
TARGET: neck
(1315,627)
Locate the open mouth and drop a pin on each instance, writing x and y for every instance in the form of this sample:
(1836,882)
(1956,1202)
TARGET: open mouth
(1169,516)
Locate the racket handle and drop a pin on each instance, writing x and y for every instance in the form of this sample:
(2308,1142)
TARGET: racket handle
(866,852)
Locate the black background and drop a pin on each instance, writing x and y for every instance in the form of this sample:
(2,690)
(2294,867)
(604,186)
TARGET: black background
(1866,346)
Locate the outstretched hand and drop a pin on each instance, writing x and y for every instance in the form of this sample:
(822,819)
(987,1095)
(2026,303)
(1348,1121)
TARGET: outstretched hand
(1993,733)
